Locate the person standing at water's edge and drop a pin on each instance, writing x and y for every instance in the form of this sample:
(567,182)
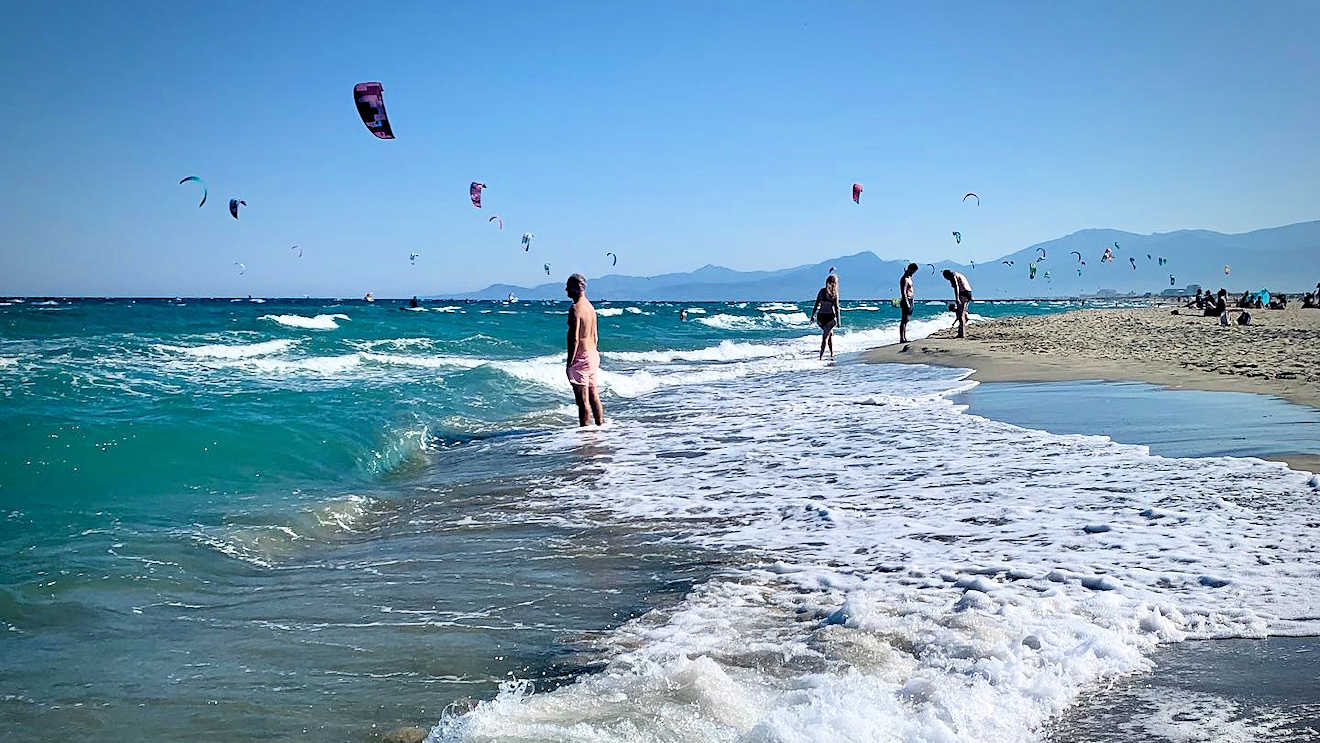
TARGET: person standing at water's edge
(826,313)
(962,296)
(906,300)
(583,365)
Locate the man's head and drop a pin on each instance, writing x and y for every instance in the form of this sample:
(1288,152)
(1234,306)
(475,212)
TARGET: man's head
(912,268)
(576,286)
(946,273)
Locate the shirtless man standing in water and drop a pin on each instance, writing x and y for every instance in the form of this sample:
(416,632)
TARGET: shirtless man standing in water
(583,365)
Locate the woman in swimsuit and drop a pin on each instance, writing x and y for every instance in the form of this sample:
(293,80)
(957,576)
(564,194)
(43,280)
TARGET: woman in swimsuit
(826,313)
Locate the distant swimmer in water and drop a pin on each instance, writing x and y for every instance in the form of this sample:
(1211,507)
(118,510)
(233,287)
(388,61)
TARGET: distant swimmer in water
(682,315)
(906,299)
(583,364)
(962,295)
(826,313)
(414,303)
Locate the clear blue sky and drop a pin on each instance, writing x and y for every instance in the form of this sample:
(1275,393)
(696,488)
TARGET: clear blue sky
(675,134)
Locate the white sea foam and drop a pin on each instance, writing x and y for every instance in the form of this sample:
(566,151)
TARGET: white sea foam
(778,307)
(318,322)
(8,361)
(878,589)
(231,351)
(609,311)
(769,321)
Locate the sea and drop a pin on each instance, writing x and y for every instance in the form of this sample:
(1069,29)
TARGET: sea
(276,520)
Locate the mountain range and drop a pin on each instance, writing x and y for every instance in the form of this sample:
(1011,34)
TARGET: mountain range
(1283,259)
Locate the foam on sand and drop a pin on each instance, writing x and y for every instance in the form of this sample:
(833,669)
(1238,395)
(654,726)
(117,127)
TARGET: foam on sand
(318,322)
(878,589)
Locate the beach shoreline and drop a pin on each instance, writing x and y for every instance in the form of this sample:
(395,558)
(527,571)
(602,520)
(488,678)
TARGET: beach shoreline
(1277,356)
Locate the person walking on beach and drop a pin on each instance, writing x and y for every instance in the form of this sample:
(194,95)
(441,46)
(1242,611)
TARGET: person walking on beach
(826,314)
(906,300)
(583,364)
(962,296)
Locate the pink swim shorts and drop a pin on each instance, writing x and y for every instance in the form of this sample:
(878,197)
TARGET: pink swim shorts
(585,369)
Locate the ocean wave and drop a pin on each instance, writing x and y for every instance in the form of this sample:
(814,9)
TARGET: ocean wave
(885,587)
(771,321)
(227,351)
(696,310)
(616,311)
(268,544)
(321,365)
(778,307)
(318,322)
(8,361)
(725,351)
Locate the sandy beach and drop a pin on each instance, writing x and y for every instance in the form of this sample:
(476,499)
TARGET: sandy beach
(1276,355)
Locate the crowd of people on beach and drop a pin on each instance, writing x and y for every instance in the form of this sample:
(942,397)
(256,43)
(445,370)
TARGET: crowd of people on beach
(1216,304)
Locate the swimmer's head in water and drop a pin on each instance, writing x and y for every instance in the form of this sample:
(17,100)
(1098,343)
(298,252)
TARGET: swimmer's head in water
(576,285)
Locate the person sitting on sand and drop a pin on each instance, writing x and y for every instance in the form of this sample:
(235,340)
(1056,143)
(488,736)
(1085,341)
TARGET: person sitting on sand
(1196,301)
(1245,299)
(1218,308)
(1279,302)
(583,365)
(906,299)
(962,294)
(1311,301)
(825,312)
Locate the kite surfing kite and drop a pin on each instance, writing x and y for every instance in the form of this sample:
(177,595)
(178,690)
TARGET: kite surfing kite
(527,241)
(972,195)
(1148,256)
(1116,246)
(1031,268)
(1108,256)
(474,191)
(857,193)
(1227,270)
(242,269)
(547,269)
(957,238)
(498,222)
(370,100)
(233,206)
(1042,253)
(1007,263)
(831,269)
(1079,256)
(1170,279)
(973,265)
(295,247)
(615,262)
(412,258)
(201,183)
(1133,261)
(932,268)
(1162,260)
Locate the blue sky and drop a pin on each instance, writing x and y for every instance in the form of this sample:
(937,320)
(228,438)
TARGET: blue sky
(675,134)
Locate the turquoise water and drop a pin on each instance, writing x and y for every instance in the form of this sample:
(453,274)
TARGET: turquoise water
(232,520)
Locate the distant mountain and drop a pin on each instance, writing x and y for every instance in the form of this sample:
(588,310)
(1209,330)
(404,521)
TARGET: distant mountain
(1283,259)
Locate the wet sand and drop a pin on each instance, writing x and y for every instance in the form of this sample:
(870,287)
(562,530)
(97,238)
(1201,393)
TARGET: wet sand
(1279,354)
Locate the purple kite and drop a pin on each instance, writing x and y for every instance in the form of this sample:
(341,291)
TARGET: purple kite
(370,100)
(857,193)
(474,191)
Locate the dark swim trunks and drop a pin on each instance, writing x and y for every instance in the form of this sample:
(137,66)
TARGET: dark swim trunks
(906,305)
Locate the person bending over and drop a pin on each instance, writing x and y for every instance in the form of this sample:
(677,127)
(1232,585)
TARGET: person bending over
(962,296)
(583,365)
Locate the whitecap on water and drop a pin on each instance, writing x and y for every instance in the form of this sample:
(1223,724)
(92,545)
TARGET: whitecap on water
(318,322)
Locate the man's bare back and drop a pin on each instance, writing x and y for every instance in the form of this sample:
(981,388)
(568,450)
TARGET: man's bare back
(583,355)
